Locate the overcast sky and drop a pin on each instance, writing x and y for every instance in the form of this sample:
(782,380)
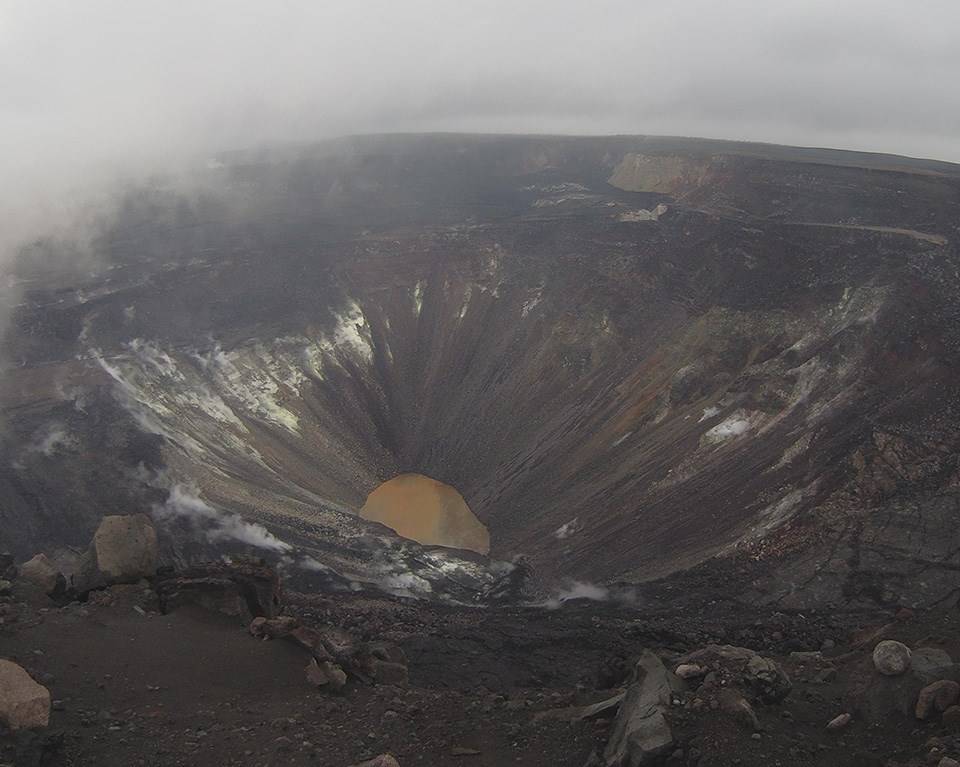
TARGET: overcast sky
(82,82)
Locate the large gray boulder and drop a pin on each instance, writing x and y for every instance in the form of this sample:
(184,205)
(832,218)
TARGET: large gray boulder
(640,732)
(123,550)
(891,658)
(24,704)
(40,577)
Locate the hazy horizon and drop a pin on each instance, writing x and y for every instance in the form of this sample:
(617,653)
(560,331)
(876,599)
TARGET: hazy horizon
(108,89)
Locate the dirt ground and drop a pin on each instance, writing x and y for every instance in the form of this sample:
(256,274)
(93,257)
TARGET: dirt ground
(488,686)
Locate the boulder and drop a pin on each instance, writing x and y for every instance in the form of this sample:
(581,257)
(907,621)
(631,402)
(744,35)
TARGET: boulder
(875,695)
(743,667)
(937,696)
(246,588)
(891,658)
(640,732)
(24,704)
(41,575)
(123,550)
(689,671)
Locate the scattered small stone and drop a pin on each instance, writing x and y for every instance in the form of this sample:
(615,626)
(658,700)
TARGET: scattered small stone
(464,751)
(891,658)
(839,722)
(755,736)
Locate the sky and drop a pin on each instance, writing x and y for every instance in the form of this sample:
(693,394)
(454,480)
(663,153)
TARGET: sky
(121,83)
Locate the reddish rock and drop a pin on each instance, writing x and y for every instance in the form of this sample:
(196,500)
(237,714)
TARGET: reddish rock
(938,696)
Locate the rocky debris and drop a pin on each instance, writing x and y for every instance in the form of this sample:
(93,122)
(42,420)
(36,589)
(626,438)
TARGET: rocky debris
(8,570)
(874,695)
(24,704)
(5,588)
(735,705)
(384,760)
(743,667)
(839,722)
(39,576)
(246,588)
(937,696)
(640,732)
(891,658)
(893,461)
(948,762)
(336,651)
(325,673)
(123,550)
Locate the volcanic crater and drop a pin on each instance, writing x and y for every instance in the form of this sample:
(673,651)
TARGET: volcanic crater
(628,355)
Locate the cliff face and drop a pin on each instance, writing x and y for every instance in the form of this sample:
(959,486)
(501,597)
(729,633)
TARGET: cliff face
(767,366)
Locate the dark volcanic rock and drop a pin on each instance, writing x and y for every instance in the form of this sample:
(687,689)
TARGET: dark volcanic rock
(246,588)
(640,733)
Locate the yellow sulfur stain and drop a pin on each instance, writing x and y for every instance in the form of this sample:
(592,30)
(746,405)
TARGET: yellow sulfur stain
(426,511)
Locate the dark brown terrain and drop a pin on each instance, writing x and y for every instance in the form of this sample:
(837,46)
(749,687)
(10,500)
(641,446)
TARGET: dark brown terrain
(712,385)
(487,686)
